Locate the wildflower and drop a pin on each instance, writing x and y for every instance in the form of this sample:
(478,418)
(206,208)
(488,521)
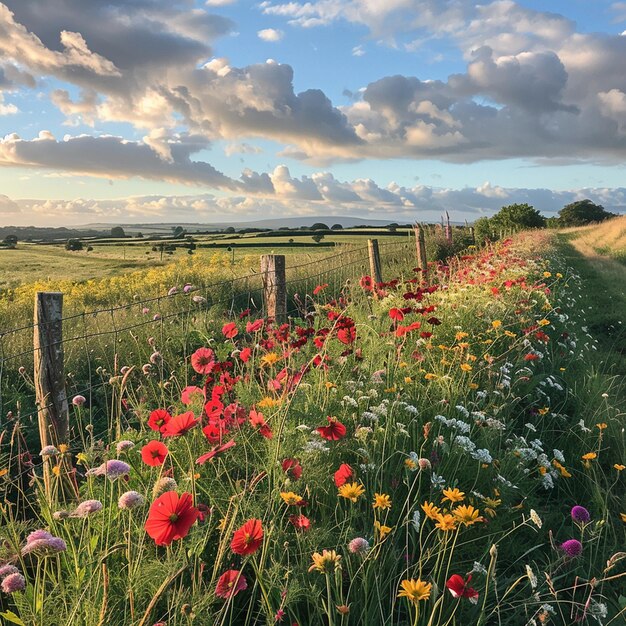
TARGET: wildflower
(334,431)
(300,522)
(124,445)
(158,420)
(49,451)
(532,578)
(214,451)
(247,539)
(445,522)
(180,424)
(535,518)
(171,516)
(496,324)
(292,468)
(623,517)
(619,467)
(466,367)
(166,483)
(291,498)
(572,547)
(230,330)
(230,583)
(131,500)
(382,530)
(431,510)
(381,501)
(415,590)
(580,514)
(112,469)
(590,456)
(351,491)
(203,360)
(86,508)
(79,400)
(7,570)
(343,474)
(491,504)
(13,582)
(460,588)
(42,543)
(191,394)
(271,358)
(453,495)
(466,514)
(154,453)
(326,562)
(359,545)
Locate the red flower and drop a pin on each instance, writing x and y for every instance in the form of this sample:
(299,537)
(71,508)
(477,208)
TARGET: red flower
(158,420)
(245,354)
(203,360)
(248,538)
(230,330)
(180,424)
(366,283)
(531,357)
(346,335)
(319,288)
(396,314)
(300,522)
(214,452)
(190,394)
(434,321)
(460,588)
(334,431)
(343,474)
(154,453)
(292,468)
(230,583)
(171,517)
(253,327)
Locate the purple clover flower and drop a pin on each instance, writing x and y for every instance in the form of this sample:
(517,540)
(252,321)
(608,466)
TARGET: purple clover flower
(86,508)
(43,543)
(112,469)
(131,500)
(13,582)
(7,570)
(572,547)
(359,545)
(580,514)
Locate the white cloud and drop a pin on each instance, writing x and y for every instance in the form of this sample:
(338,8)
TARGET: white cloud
(358,51)
(270,34)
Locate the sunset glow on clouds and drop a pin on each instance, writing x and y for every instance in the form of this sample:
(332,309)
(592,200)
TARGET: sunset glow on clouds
(167,110)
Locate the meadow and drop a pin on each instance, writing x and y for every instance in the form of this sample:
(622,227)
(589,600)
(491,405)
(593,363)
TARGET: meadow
(438,453)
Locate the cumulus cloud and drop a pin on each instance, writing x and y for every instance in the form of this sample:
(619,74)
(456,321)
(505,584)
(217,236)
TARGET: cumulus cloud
(270,34)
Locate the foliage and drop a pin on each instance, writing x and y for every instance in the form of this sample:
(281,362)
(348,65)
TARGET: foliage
(583,212)
(117,232)
(516,217)
(74,245)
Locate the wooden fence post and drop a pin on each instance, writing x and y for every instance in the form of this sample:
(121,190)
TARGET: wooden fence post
(274,286)
(49,378)
(374,254)
(420,244)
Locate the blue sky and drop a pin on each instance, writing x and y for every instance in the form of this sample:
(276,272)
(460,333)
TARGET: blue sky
(186,110)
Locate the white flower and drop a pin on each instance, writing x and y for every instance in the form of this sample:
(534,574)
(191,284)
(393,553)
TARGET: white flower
(535,518)
(531,576)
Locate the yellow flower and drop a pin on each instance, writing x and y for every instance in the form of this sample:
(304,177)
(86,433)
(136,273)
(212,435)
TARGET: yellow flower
(415,590)
(496,323)
(351,491)
(56,470)
(390,389)
(619,467)
(590,456)
(453,495)
(623,516)
(431,510)
(543,322)
(222,525)
(270,359)
(290,497)
(328,561)
(430,376)
(267,402)
(460,335)
(561,469)
(544,410)
(330,385)
(410,464)
(547,274)
(445,522)
(403,364)
(381,501)
(508,333)
(473,385)
(559,275)
(382,530)
(408,380)
(464,344)
(491,504)
(466,514)
(81,458)
(601,426)
(63,448)
(466,367)
(4,471)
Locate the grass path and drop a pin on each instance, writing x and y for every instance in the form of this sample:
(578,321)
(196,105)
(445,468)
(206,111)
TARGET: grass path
(605,297)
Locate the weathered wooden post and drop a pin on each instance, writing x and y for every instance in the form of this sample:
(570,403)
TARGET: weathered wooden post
(374,254)
(448,229)
(420,244)
(49,378)
(274,286)
(472,235)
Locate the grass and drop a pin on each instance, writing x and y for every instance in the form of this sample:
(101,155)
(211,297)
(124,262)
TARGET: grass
(466,420)
(607,239)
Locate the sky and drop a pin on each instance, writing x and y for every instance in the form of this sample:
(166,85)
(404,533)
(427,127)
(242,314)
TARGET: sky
(123,111)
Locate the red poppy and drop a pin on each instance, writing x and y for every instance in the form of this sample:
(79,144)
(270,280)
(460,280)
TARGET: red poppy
(203,360)
(460,588)
(171,517)
(190,394)
(292,468)
(396,314)
(334,431)
(158,420)
(248,538)
(300,522)
(230,583)
(319,288)
(230,330)
(346,335)
(366,283)
(214,452)
(253,327)
(245,354)
(343,474)
(531,357)
(154,453)
(180,424)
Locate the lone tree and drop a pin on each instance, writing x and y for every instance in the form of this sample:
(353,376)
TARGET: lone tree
(336,227)
(319,226)
(317,237)
(518,217)
(118,232)
(74,245)
(583,212)
(178,231)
